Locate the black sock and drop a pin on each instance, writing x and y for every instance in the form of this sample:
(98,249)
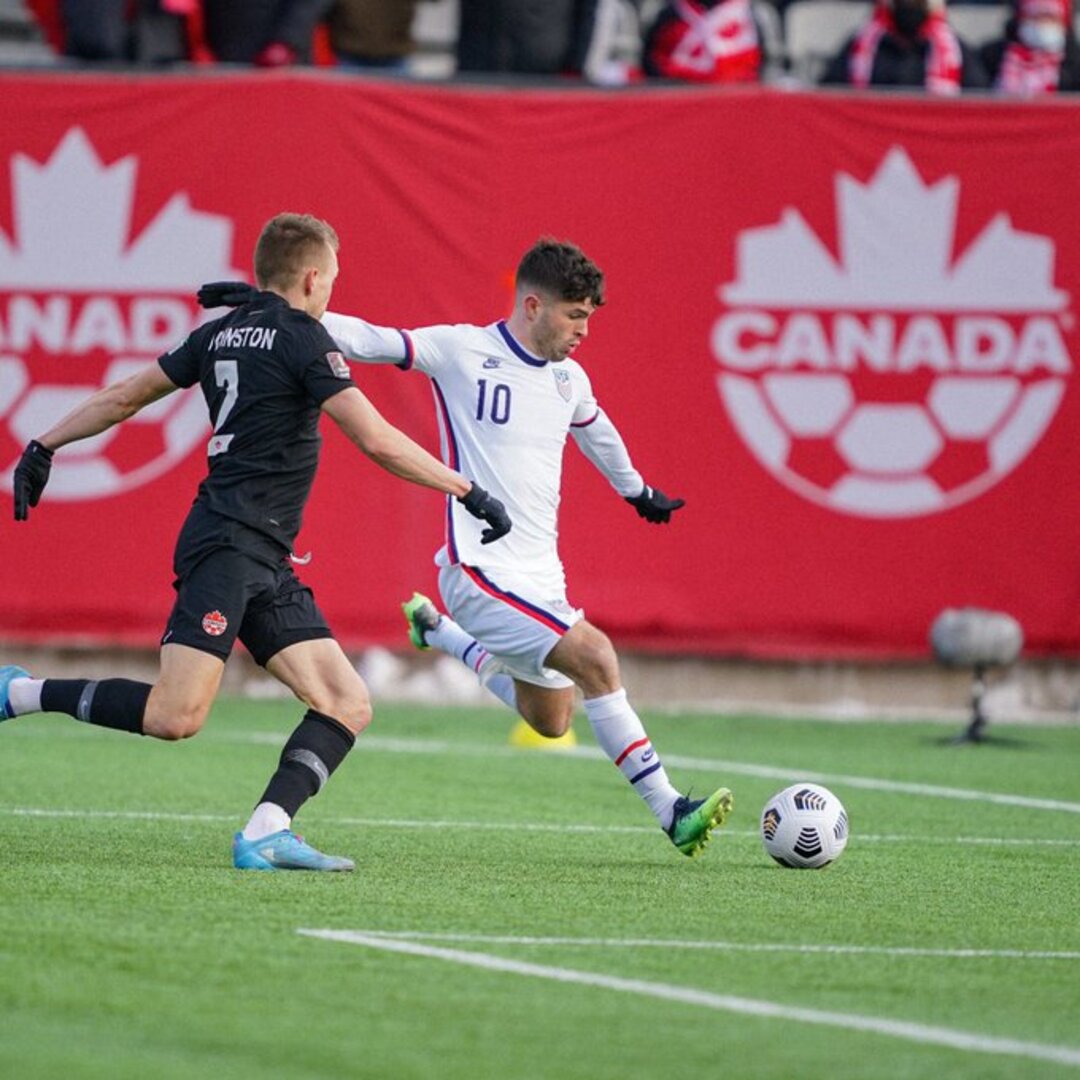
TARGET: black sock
(314,750)
(111,703)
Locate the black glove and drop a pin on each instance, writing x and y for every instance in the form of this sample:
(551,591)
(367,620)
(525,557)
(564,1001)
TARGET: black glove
(487,508)
(225,294)
(31,476)
(653,505)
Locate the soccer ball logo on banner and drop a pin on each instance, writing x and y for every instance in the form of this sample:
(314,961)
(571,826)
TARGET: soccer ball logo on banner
(84,303)
(896,380)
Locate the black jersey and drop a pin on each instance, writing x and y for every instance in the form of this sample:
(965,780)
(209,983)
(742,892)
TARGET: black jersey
(265,369)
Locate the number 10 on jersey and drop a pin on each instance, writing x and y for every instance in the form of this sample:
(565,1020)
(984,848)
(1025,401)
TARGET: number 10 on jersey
(492,403)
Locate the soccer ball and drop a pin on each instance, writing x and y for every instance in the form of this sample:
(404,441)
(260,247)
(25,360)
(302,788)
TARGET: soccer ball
(804,827)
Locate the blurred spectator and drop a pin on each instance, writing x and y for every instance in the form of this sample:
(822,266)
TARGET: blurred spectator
(907,43)
(705,41)
(116,31)
(536,37)
(1038,54)
(269,33)
(372,33)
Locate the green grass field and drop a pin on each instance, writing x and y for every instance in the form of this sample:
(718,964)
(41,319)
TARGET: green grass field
(553,930)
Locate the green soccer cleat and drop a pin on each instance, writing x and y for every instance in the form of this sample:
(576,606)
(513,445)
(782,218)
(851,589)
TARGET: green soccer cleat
(694,822)
(6,675)
(422,616)
(283,850)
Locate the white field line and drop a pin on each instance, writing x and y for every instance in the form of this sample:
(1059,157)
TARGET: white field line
(912,1032)
(720,767)
(508,826)
(714,766)
(727,946)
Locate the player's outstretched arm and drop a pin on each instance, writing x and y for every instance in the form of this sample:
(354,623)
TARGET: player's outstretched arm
(355,337)
(360,340)
(599,440)
(99,412)
(389,447)
(394,451)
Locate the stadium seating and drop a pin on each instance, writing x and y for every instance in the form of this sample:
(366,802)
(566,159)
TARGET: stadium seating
(814,31)
(21,40)
(799,43)
(434,31)
(626,22)
(979,23)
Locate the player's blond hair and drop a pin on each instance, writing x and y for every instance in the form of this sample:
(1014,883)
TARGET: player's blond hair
(288,245)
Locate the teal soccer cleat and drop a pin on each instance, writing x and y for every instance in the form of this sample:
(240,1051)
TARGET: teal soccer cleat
(6,675)
(422,616)
(283,851)
(694,822)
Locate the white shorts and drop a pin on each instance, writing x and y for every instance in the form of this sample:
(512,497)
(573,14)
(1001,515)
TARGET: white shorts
(509,617)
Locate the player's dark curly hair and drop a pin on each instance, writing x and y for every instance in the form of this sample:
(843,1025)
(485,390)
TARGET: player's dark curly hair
(287,243)
(561,269)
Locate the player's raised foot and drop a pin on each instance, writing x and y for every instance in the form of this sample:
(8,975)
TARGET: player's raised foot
(6,675)
(422,616)
(695,820)
(283,851)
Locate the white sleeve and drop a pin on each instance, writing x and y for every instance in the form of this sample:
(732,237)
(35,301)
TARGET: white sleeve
(360,340)
(599,440)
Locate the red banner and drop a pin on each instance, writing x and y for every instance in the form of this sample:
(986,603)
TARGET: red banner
(842,327)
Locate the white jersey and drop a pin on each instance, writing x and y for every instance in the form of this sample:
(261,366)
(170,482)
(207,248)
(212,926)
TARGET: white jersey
(504,416)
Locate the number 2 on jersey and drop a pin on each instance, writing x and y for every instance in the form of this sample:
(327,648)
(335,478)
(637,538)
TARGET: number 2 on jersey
(499,404)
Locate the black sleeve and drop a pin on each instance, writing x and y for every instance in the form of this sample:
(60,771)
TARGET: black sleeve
(181,363)
(323,370)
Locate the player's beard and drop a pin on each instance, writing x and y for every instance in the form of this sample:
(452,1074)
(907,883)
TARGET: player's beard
(548,344)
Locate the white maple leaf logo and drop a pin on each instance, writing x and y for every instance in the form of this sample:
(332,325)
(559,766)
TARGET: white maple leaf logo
(895,239)
(84,302)
(72,229)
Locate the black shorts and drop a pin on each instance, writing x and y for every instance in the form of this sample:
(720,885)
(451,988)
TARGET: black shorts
(231,583)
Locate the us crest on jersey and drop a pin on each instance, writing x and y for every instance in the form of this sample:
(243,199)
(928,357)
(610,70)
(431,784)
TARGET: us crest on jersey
(562,383)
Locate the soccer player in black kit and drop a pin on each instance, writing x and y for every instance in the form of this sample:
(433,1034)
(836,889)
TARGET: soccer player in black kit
(268,370)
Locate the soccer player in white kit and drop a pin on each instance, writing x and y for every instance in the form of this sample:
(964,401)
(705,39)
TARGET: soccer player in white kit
(507,395)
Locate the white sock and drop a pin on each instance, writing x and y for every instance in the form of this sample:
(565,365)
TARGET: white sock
(450,638)
(265,819)
(25,695)
(622,737)
(502,686)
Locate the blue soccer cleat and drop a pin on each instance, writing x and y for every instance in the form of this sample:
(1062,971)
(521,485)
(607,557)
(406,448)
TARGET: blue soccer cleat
(283,851)
(6,675)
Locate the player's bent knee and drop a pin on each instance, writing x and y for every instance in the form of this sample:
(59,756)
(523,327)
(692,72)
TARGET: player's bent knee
(555,729)
(359,716)
(552,723)
(177,725)
(354,711)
